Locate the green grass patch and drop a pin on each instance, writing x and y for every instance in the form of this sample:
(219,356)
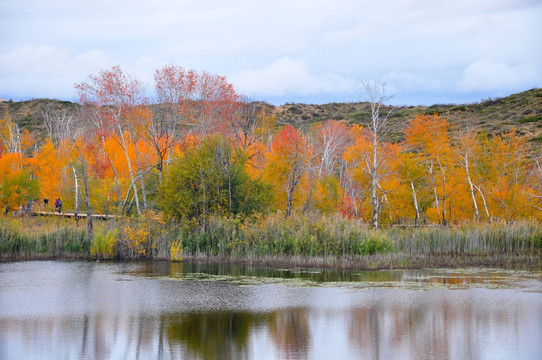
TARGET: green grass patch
(530,119)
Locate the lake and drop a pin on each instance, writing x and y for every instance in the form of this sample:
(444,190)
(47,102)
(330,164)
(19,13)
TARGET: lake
(162,310)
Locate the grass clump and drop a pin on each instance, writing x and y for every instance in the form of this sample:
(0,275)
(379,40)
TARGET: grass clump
(22,238)
(104,244)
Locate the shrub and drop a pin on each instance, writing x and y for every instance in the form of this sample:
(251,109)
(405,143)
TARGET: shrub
(373,244)
(104,244)
(176,250)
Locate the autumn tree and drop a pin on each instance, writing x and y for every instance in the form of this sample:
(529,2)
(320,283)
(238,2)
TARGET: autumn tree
(534,192)
(59,123)
(287,163)
(468,152)
(102,129)
(508,167)
(188,102)
(428,136)
(244,123)
(328,140)
(376,95)
(77,139)
(172,114)
(113,95)
(10,134)
(215,103)
(412,174)
(355,177)
(18,184)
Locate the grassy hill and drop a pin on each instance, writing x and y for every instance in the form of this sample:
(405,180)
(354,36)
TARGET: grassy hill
(29,114)
(521,112)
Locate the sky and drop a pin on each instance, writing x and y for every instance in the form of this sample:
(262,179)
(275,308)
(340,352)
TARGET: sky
(291,51)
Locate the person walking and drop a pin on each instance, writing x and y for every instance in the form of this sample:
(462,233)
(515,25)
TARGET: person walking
(58,205)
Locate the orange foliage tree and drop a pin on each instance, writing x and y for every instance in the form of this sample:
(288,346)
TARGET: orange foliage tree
(428,135)
(113,97)
(286,166)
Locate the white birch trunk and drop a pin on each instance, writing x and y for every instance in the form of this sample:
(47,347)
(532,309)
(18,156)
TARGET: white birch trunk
(471,187)
(130,169)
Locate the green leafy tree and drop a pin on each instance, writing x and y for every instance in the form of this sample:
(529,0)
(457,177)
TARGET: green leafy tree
(18,189)
(211,179)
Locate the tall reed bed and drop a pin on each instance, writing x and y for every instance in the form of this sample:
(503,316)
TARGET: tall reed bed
(469,239)
(272,237)
(336,237)
(26,239)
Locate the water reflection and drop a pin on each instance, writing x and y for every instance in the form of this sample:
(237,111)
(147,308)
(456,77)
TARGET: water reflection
(291,333)
(53,310)
(222,335)
(445,277)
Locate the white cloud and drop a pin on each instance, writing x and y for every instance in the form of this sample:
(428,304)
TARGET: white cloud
(45,71)
(292,49)
(288,75)
(485,75)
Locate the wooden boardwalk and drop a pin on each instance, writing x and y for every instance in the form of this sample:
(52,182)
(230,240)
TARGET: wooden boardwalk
(72,215)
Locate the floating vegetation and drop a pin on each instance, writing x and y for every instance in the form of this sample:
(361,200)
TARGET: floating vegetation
(427,279)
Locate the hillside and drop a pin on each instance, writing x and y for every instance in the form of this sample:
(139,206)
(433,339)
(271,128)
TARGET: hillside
(29,114)
(522,112)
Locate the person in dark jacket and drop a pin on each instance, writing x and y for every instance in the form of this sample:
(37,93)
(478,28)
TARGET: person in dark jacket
(58,205)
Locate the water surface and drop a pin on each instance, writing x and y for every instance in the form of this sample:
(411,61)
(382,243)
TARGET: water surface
(161,310)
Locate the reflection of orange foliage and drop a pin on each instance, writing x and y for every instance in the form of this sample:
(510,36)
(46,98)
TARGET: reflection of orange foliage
(291,332)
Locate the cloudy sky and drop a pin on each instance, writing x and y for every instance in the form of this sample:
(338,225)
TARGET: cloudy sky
(427,51)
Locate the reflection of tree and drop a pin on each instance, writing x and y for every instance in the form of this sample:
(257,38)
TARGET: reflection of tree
(365,330)
(382,332)
(291,333)
(211,335)
(176,269)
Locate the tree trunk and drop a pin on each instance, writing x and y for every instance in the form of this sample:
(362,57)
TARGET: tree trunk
(130,170)
(415,199)
(76,210)
(204,186)
(374,197)
(471,187)
(479,188)
(289,201)
(115,176)
(432,177)
(291,185)
(90,229)
(142,181)
(443,192)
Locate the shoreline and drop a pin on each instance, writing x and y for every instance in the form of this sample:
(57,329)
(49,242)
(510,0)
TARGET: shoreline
(369,262)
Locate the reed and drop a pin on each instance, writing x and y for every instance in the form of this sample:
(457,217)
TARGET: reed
(337,237)
(26,239)
(326,240)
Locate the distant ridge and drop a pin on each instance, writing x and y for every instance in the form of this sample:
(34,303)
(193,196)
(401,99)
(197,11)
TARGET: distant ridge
(521,112)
